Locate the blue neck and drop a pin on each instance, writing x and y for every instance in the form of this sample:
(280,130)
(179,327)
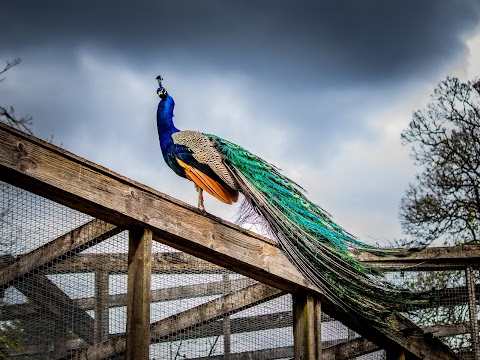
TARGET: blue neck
(165,124)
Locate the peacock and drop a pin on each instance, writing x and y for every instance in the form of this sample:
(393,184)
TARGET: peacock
(319,248)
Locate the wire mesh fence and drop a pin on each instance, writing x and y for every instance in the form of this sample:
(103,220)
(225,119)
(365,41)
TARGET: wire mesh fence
(57,308)
(452,306)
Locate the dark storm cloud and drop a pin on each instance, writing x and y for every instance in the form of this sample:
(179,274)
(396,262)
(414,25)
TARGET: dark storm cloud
(283,41)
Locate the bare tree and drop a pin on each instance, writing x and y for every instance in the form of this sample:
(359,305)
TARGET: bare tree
(7,114)
(444,201)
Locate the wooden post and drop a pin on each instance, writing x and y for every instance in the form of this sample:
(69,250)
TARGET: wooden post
(472,309)
(307,332)
(101,306)
(226,320)
(138,294)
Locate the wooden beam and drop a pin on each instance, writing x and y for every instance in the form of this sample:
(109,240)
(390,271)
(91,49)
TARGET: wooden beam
(138,294)
(174,293)
(307,326)
(276,353)
(428,259)
(349,349)
(343,350)
(215,309)
(162,263)
(450,329)
(58,175)
(101,306)
(88,234)
(227,287)
(58,305)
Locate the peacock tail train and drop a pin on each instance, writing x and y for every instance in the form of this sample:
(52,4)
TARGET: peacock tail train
(318,247)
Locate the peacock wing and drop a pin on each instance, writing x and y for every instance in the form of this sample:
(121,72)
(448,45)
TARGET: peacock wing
(204,165)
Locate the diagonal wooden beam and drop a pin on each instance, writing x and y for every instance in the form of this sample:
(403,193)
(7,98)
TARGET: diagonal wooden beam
(86,235)
(227,304)
(47,297)
(42,292)
(58,175)
(344,350)
(174,293)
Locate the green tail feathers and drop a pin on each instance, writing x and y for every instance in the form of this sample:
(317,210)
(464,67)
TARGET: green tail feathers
(319,248)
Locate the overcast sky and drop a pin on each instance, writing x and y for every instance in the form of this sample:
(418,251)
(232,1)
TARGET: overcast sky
(322,89)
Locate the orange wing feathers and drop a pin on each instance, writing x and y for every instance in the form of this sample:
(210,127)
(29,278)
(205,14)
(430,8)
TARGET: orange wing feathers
(214,188)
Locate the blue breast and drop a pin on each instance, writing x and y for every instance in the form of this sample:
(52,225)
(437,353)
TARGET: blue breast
(166,128)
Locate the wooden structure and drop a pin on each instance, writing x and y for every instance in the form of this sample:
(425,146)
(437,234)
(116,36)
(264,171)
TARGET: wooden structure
(118,203)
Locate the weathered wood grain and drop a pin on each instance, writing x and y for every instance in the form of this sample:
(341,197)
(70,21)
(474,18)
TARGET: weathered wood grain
(138,293)
(428,259)
(101,306)
(349,349)
(307,334)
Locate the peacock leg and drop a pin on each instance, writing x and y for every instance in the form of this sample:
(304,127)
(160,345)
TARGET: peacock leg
(200,197)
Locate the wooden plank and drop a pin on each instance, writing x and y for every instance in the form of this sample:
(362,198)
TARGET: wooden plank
(227,287)
(428,259)
(62,247)
(162,263)
(276,353)
(307,326)
(138,294)
(101,306)
(215,309)
(344,350)
(58,175)
(174,293)
(349,349)
(450,329)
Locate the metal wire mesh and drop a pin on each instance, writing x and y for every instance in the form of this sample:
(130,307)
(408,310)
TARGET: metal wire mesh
(447,314)
(59,307)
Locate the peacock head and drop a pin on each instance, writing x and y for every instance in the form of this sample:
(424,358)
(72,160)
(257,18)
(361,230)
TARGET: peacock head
(161,91)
